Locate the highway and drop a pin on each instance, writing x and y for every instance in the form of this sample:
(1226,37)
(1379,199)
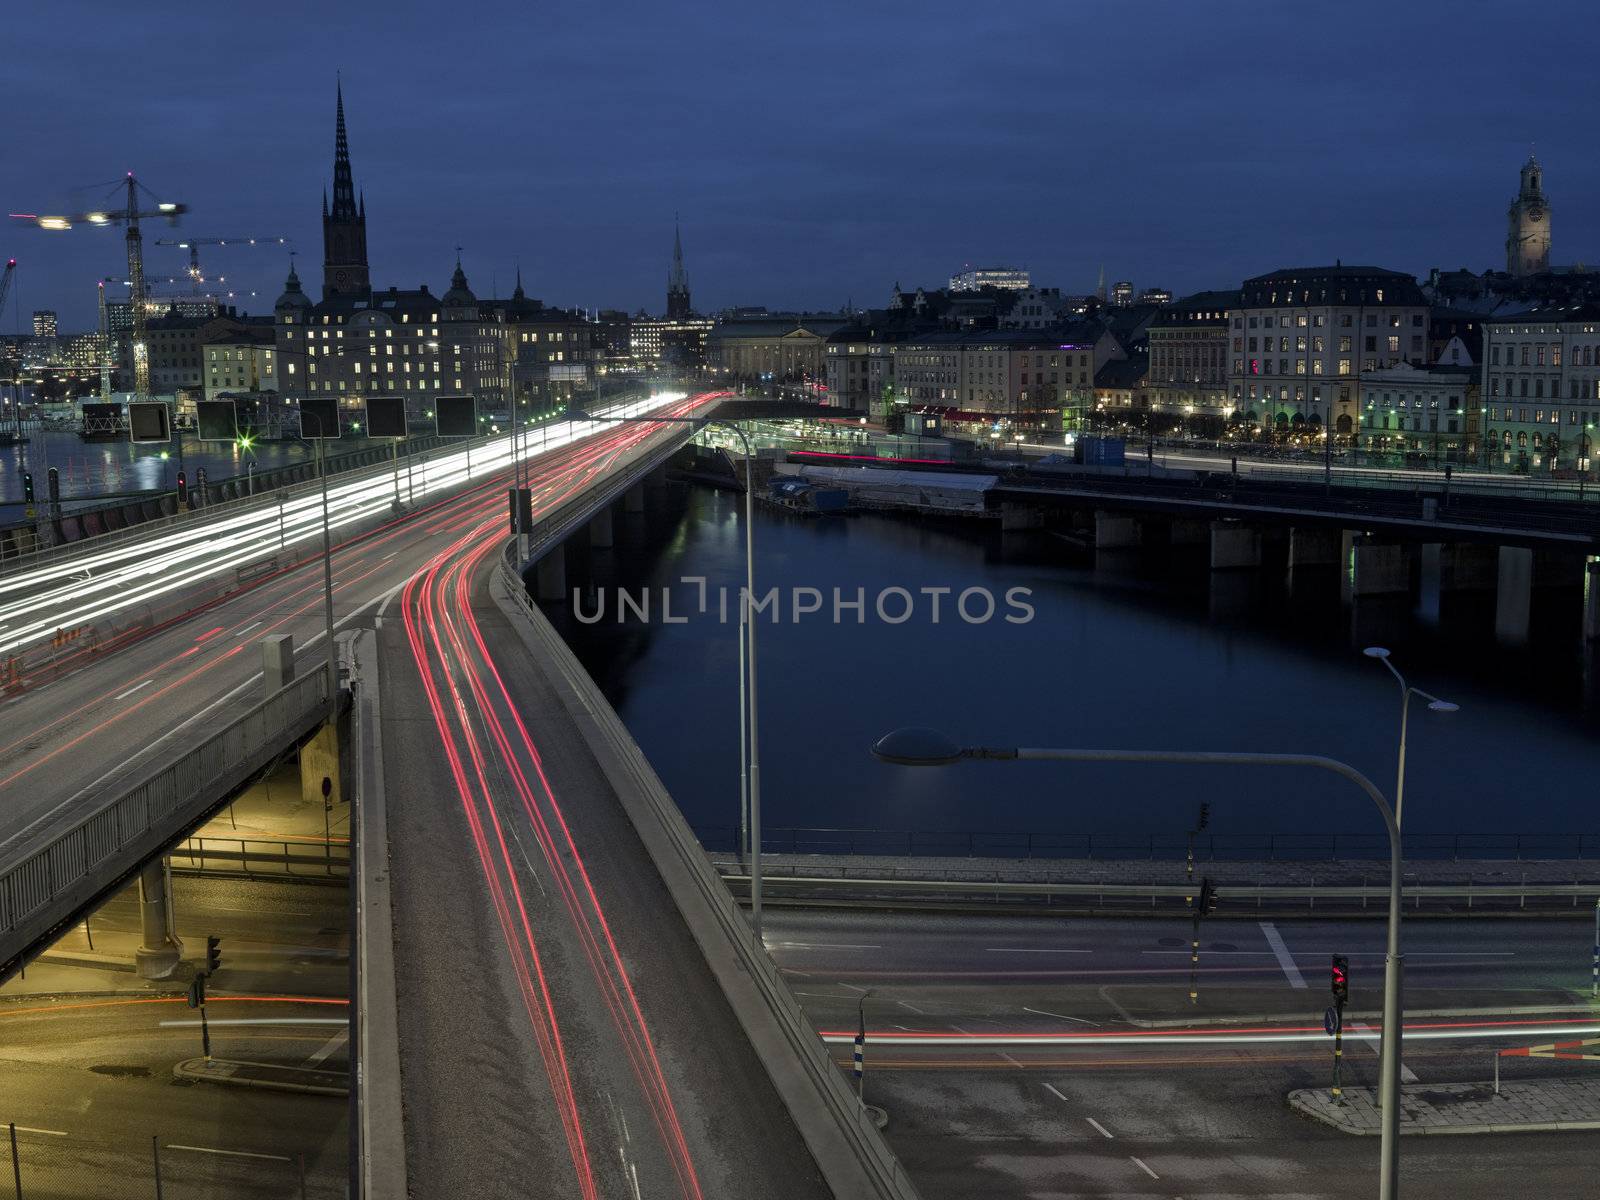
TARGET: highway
(1066,1060)
(566,1029)
(108,713)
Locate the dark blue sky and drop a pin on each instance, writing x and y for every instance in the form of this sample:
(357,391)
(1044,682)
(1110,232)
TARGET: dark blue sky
(817,152)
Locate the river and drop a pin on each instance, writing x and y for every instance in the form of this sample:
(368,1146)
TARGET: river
(1145,654)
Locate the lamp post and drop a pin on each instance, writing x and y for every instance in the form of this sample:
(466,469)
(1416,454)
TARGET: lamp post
(916,747)
(327,563)
(750,762)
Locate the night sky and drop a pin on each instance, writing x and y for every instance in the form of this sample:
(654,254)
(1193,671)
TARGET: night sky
(817,152)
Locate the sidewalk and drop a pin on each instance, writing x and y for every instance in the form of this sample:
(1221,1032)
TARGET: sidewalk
(1538,1106)
(273,1077)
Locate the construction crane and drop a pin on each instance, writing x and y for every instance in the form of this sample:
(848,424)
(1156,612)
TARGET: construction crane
(5,282)
(129,215)
(192,245)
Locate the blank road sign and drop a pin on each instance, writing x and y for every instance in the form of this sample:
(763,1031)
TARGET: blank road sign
(386,416)
(149,421)
(458,416)
(319,417)
(218,420)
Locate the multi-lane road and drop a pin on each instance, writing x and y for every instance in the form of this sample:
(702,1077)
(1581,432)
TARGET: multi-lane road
(1027,1056)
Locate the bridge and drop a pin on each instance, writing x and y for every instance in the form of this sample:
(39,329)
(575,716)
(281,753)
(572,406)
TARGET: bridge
(551,982)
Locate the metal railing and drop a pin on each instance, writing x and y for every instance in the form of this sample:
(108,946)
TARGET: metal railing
(1267,847)
(312,858)
(47,886)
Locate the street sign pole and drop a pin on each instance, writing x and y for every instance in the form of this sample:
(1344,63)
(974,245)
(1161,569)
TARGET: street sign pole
(205,1032)
(1594,964)
(1337,1013)
(1194,961)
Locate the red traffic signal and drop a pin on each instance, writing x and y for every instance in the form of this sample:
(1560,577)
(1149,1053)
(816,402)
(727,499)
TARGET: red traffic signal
(183,490)
(1339,978)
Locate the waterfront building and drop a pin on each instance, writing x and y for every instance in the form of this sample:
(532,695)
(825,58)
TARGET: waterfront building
(1421,412)
(1188,345)
(1121,387)
(1540,380)
(44,323)
(780,347)
(1302,339)
(240,360)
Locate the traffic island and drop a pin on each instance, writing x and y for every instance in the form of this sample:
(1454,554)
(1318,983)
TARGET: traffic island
(1535,1106)
(269,1076)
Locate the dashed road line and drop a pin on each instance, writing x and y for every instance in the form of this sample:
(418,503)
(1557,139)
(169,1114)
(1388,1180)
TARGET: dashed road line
(229,1153)
(135,688)
(1144,1166)
(1407,1075)
(1103,1130)
(1281,952)
(1039,1012)
(1052,1089)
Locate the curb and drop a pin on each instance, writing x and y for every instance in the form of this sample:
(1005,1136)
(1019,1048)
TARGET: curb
(1317,1110)
(223,1072)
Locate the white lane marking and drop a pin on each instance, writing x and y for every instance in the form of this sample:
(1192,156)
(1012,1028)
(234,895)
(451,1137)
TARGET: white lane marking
(910,1007)
(1051,1088)
(135,688)
(229,1153)
(247,628)
(320,1055)
(45,1132)
(1031,950)
(1285,959)
(1104,1132)
(1407,1075)
(854,988)
(1145,1167)
(961,1031)
(1039,1012)
(1009,1059)
(823,946)
(1466,954)
(256,1021)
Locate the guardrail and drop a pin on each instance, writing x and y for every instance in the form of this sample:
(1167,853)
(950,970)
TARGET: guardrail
(263,856)
(48,886)
(881,1169)
(1309,892)
(1268,847)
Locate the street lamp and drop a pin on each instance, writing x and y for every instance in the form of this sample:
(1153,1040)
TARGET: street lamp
(327,564)
(921,747)
(750,764)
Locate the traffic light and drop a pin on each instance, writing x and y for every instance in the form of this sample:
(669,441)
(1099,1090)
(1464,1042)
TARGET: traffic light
(27,486)
(183,490)
(213,954)
(197,992)
(1339,978)
(1206,903)
(52,479)
(1205,817)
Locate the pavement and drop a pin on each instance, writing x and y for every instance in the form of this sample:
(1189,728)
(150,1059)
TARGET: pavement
(1018,1057)
(1530,1106)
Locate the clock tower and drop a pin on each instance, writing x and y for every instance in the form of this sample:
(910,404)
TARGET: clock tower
(1528,232)
(344,226)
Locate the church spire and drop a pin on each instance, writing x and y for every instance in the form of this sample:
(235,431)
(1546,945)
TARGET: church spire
(344,222)
(677,278)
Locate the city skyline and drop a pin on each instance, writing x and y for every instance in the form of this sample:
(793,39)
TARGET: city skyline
(577,183)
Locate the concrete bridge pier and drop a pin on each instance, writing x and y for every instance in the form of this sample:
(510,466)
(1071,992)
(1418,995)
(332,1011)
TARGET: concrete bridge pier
(1513,600)
(277,661)
(1379,570)
(633,499)
(1016,517)
(1116,531)
(602,536)
(1234,545)
(550,576)
(159,951)
(1311,548)
(1430,581)
(1591,601)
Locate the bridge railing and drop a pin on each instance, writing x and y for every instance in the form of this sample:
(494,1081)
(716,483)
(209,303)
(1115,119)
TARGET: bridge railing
(113,836)
(1211,847)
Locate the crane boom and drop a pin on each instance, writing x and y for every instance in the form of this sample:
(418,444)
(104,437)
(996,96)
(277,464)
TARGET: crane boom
(192,245)
(5,282)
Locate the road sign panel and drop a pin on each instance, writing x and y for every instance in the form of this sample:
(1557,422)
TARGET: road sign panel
(1332,1020)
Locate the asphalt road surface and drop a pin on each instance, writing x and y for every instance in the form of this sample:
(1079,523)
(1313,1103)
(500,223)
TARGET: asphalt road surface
(1069,1063)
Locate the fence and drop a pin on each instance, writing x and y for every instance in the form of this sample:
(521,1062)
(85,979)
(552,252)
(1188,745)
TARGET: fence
(263,857)
(1266,847)
(54,1164)
(45,888)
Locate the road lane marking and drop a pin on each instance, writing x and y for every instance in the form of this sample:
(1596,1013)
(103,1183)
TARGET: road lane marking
(1145,1167)
(822,946)
(247,628)
(136,687)
(1039,1012)
(320,1055)
(910,1007)
(1009,1059)
(230,1153)
(1203,1038)
(1051,1088)
(1103,1130)
(1281,951)
(1031,950)
(1407,1075)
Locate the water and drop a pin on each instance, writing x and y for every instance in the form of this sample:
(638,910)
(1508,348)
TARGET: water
(1143,655)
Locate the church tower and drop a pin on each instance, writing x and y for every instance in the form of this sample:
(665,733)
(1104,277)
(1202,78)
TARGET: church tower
(1528,235)
(344,227)
(678,306)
